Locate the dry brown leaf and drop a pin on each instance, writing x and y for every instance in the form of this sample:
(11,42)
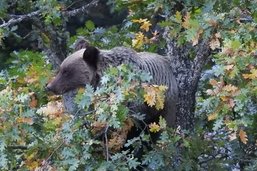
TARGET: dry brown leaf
(210,92)
(232,136)
(33,100)
(229,67)
(52,109)
(186,18)
(230,88)
(212,116)
(25,120)
(243,136)
(213,82)
(214,43)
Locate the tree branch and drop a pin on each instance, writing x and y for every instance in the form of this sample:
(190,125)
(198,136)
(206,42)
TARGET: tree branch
(20,147)
(14,19)
(19,18)
(83,9)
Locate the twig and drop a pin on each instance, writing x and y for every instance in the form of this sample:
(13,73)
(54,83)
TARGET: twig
(83,9)
(21,147)
(48,158)
(212,158)
(72,4)
(106,143)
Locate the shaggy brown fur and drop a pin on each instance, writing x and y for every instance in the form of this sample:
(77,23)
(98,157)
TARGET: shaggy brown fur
(86,66)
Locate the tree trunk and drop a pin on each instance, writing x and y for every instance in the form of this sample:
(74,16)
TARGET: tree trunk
(187,62)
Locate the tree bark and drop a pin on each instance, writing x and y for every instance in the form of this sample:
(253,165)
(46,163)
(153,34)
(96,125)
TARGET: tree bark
(187,62)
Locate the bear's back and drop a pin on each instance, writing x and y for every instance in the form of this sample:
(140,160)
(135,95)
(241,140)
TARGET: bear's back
(158,66)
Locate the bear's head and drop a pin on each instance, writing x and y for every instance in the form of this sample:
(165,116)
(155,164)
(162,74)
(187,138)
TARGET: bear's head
(77,70)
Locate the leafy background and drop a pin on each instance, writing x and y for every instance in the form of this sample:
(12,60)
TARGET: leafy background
(36,133)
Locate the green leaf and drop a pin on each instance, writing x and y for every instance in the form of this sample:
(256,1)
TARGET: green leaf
(235,44)
(3,161)
(104,79)
(178,17)
(133,163)
(90,25)
(218,123)
(74,164)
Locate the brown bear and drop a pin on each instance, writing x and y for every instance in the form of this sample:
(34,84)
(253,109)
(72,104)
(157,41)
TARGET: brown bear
(86,66)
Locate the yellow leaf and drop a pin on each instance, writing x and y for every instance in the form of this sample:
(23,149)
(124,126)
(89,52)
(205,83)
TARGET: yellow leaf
(159,102)
(138,41)
(149,98)
(230,88)
(154,127)
(212,116)
(32,164)
(224,98)
(145,26)
(243,136)
(178,16)
(251,76)
(139,20)
(163,88)
(25,120)
(154,95)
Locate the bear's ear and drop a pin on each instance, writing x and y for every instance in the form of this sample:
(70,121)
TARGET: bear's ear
(90,56)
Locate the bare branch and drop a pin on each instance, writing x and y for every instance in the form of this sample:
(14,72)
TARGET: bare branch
(83,9)
(14,19)
(20,147)
(59,146)
(106,143)
(18,18)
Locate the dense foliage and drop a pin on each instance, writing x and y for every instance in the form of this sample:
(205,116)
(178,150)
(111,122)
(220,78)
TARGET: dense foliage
(36,133)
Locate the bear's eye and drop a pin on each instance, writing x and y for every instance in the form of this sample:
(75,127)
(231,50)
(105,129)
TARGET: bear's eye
(65,72)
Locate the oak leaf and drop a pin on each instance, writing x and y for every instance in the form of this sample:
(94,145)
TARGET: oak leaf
(154,127)
(145,26)
(33,100)
(243,136)
(212,116)
(213,82)
(138,41)
(186,23)
(252,75)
